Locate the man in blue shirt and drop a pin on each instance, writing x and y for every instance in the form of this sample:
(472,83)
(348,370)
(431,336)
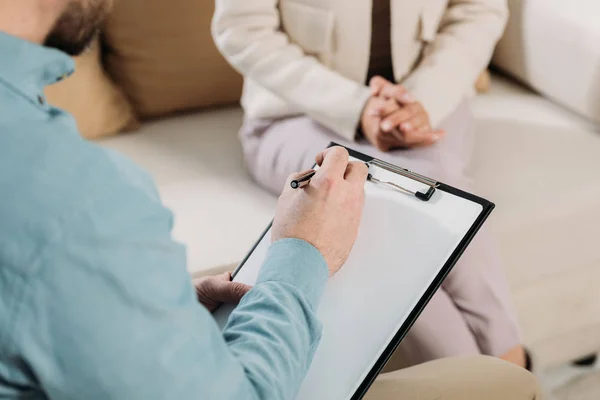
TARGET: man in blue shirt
(95,299)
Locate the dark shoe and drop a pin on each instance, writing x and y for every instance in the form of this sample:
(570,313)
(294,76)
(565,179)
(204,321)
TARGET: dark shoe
(528,361)
(588,361)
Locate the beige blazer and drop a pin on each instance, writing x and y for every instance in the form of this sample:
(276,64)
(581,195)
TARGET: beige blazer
(311,57)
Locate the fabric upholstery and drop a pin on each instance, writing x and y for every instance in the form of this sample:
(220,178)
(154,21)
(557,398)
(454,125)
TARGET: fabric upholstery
(98,105)
(552,46)
(162,55)
(539,164)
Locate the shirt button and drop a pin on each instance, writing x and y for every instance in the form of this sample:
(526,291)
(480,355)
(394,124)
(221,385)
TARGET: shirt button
(41,100)
(62,77)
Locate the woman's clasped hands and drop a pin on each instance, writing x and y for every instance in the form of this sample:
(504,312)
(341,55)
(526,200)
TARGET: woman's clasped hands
(393,118)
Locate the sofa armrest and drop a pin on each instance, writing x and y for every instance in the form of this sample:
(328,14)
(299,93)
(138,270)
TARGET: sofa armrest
(552,46)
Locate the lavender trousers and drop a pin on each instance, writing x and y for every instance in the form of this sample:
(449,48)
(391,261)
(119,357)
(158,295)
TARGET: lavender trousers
(472,313)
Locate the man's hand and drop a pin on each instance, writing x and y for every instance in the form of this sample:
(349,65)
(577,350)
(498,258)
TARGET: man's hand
(212,291)
(404,122)
(327,212)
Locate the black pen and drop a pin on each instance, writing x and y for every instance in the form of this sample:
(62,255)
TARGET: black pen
(303,180)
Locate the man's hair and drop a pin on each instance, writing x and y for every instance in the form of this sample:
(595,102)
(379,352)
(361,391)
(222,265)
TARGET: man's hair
(78,25)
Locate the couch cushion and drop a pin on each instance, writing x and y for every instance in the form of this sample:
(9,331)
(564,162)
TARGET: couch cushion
(540,164)
(552,45)
(170,65)
(99,107)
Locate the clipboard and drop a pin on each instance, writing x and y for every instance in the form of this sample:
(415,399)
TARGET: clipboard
(367,310)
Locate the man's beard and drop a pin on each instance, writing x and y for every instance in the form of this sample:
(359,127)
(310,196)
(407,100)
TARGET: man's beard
(78,26)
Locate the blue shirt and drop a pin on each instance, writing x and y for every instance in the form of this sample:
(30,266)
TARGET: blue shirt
(95,298)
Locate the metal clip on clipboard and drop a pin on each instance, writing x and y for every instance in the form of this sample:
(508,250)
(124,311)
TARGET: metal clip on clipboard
(424,196)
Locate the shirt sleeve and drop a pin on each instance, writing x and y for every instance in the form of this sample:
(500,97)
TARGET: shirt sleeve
(112,314)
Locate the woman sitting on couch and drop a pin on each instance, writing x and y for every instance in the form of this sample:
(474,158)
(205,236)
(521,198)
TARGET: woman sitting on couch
(390,78)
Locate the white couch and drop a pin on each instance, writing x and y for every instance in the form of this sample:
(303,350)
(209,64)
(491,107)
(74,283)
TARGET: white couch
(554,46)
(539,163)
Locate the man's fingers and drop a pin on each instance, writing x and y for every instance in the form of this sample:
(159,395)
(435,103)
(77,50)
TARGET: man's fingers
(398,138)
(377,83)
(335,161)
(287,187)
(398,93)
(319,158)
(356,172)
(297,175)
(231,292)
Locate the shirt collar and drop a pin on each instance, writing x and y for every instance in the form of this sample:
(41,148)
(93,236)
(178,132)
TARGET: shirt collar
(28,67)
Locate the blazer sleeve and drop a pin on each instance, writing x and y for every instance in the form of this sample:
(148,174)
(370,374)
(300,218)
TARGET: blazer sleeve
(248,34)
(461,49)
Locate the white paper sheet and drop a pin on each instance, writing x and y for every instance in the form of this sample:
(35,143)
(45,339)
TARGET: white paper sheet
(403,244)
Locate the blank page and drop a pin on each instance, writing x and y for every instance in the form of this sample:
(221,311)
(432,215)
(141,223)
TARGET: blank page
(402,246)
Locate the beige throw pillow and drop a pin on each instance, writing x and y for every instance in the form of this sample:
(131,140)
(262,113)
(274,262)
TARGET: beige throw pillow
(162,54)
(98,106)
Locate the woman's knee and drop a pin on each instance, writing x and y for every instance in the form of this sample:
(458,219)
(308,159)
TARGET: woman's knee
(275,149)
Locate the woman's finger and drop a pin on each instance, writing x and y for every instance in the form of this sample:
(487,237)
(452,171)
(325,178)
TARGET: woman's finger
(398,117)
(398,93)
(415,126)
(385,142)
(397,139)
(430,138)
(382,108)
(377,83)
